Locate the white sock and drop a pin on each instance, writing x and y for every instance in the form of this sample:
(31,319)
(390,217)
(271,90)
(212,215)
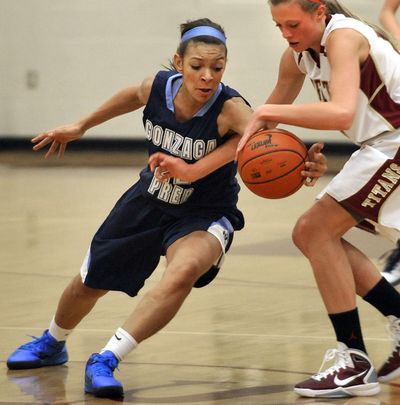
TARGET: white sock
(58,333)
(120,344)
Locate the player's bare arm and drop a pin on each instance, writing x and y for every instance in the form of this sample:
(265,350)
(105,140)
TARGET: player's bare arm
(347,50)
(338,113)
(125,101)
(290,81)
(387,17)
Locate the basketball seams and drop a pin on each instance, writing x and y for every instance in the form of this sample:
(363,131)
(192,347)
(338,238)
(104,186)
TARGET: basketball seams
(277,130)
(303,160)
(275,178)
(276,152)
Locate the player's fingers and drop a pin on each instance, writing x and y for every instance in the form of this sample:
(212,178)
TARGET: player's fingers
(311,171)
(321,159)
(310,177)
(310,181)
(320,146)
(161,174)
(154,161)
(52,149)
(38,138)
(241,144)
(43,143)
(239,148)
(42,136)
(61,150)
(152,164)
(314,170)
(317,147)
(163,170)
(320,164)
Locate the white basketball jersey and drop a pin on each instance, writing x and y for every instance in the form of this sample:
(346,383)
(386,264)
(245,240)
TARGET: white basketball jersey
(378,107)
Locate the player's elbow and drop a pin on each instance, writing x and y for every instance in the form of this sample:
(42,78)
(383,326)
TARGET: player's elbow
(344,120)
(342,113)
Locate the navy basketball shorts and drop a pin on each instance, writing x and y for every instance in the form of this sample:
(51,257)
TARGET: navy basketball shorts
(127,247)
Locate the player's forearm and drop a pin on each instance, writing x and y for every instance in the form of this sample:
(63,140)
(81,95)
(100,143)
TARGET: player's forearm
(121,103)
(216,159)
(285,93)
(389,22)
(387,18)
(328,115)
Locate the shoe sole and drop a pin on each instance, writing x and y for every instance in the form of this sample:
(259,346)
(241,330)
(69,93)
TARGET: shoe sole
(105,392)
(26,365)
(391,376)
(341,392)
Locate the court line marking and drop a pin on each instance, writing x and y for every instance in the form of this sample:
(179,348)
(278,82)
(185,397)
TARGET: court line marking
(190,333)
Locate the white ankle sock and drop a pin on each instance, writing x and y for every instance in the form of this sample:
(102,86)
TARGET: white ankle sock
(57,332)
(120,344)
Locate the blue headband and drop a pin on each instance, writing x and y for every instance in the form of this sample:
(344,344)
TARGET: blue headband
(201,31)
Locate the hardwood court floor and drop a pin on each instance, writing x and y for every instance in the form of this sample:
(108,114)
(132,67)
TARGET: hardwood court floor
(246,339)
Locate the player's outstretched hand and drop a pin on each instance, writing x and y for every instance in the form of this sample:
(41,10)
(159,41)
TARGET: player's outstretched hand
(316,166)
(58,139)
(255,124)
(166,166)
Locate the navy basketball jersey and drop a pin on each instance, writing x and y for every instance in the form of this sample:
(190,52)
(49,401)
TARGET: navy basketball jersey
(189,140)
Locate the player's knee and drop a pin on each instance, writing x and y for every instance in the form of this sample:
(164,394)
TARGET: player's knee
(304,233)
(183,277)
(80,291)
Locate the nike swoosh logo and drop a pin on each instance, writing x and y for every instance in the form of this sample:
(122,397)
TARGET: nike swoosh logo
(117,337)
(342,383)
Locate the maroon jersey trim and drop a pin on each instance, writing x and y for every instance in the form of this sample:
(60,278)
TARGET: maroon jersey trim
(379,99)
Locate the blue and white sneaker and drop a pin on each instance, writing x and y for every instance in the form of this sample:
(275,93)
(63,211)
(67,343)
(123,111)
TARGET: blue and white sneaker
(40,352)
(99,378)
(391,270)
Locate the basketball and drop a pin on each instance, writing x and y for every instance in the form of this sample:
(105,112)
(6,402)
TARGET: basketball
(271,162)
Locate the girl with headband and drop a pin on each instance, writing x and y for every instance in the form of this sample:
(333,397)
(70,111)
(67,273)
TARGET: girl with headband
(184,206)
(356,73)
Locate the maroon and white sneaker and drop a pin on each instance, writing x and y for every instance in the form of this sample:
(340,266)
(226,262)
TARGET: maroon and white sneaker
(351,375)
(391,368)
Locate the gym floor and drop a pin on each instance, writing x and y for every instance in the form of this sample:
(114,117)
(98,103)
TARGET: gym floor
(246,339)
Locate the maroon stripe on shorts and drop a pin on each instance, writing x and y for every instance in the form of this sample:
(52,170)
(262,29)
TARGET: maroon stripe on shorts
(369,200)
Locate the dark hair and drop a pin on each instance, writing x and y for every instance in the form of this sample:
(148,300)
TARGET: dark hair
(188,25)
(334,7)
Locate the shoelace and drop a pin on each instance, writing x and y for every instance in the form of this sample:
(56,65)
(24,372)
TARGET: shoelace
(103,366)
(37,344)
(40,344)
(341,362)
